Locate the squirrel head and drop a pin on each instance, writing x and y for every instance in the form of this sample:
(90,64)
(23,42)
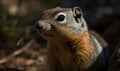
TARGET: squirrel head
(62,23)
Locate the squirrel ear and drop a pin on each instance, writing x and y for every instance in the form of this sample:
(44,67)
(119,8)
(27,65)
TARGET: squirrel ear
(77,13)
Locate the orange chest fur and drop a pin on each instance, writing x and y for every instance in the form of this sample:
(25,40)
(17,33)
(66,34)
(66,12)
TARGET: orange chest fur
(76,52)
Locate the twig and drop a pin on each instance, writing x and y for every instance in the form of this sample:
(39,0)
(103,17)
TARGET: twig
(17,52)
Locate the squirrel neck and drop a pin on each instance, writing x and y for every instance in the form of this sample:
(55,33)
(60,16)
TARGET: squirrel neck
(84,50)
(80,50)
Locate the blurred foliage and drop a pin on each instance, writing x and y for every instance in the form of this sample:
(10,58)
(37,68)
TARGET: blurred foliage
(12,27)
(18,16)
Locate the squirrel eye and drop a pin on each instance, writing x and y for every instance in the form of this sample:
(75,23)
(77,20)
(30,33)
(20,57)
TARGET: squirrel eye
(61,17)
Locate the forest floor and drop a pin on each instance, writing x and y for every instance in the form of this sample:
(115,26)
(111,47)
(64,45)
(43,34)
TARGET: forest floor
(30,57)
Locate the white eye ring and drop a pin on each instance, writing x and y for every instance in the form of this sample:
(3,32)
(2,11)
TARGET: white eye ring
(63,18)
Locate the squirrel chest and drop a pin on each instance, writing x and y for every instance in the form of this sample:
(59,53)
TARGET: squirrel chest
(72,54)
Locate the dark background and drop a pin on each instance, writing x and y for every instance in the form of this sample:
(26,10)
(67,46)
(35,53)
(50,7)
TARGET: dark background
(17,34)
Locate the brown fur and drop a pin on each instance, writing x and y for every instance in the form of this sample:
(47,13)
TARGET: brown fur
(79,50)
(83,49)
(51,13)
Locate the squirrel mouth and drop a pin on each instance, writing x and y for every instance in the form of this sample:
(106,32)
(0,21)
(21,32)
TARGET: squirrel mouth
(45,33)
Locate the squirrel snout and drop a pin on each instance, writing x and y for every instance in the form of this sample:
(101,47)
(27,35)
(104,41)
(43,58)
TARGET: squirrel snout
(38,25)
(41,25)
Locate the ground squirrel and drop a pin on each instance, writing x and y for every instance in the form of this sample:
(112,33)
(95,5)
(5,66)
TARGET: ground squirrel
(71,47)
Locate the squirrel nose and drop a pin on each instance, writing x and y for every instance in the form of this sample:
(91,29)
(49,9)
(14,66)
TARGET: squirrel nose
(38,25)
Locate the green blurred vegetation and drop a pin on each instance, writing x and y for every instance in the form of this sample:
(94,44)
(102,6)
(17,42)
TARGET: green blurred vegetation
(17,17)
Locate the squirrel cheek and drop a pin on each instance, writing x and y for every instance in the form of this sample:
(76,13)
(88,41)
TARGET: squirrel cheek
(47,27)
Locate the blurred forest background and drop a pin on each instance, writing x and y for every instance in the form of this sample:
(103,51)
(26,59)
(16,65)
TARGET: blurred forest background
(22,48)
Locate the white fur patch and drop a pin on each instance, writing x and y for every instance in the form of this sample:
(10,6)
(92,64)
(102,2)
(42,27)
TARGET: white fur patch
(98,45)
